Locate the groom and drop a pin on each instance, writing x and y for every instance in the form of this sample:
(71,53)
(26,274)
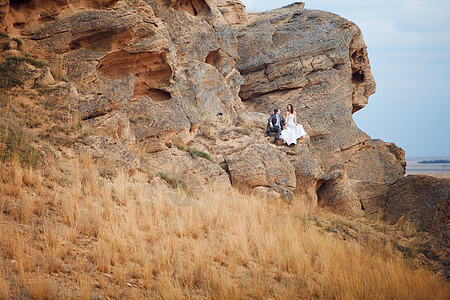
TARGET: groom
(275,123)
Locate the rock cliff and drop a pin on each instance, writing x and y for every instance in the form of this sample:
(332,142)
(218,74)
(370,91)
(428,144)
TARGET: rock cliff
(191,83)
(324,72)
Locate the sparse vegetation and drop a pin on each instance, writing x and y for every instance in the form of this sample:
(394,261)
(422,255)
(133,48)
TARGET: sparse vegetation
(27,58)
(408,227)
(86,131)
(18,41)
(123,238)
(70,228)
(11,70)
(15,143)
(174,183)
(205,130)
(135,119)
(35,62)
(194,151)
(199,153)
(5,46)
(10,74)
(243,130)
(57,69)
(4,285)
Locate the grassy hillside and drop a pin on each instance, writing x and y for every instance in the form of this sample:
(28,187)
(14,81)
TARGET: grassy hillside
(67,230)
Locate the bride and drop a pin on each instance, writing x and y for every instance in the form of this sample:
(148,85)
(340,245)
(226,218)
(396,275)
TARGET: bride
(292,131)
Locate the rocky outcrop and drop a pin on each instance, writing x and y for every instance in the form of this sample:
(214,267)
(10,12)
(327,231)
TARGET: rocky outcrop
(116,126)
(164,76)
(197,173)
(4,5)
(233,11)
(353,198)
(262,165)
(182,89)
(126,58)
(109,153)
(144,72)
(417,201)
(203,86)
(425,200)
(325,73)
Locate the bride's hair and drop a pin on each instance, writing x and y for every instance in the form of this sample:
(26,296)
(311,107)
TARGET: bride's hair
(290,108)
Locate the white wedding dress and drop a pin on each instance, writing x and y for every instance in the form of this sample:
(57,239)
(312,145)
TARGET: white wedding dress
(292,131)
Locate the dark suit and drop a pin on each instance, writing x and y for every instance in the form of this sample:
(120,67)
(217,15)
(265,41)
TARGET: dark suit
(273,120)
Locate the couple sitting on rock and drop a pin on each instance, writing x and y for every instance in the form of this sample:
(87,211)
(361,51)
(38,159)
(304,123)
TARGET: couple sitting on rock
(292,130)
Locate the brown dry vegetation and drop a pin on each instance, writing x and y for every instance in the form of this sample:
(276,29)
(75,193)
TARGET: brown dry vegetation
(66,232)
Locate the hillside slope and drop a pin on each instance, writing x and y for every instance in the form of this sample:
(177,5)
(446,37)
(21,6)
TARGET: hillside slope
(133,161)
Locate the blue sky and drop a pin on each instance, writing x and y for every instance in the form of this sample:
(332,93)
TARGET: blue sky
(409,50)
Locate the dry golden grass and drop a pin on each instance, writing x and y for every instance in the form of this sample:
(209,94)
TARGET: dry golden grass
(88,237)
(4,284)
(73,119)
(84,288)
(57,69)
(38,287)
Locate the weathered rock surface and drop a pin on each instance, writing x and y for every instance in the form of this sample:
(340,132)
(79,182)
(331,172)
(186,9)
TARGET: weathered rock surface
(30,75)
(183,166)
(163,81)
(233,11)
(150,119)
(144,71)
(398,152)
(325,73)
(353,198)
(203,86)
(308,172)
(46,78)
(425,200)
(419,200)
(262,165)
(116,126)
(109,153)
(4,6)
(165,73)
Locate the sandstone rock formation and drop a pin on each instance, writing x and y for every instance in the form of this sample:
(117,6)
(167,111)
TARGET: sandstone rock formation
(116,126)
(143,71)
(233,11)
(418,201)
(352,197)
(262,165)
(4,6)
(164,76)
(325,73)
(425,200)
(198,173)
(109,153)
(182,89)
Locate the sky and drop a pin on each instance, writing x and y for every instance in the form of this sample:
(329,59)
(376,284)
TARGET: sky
(408,42)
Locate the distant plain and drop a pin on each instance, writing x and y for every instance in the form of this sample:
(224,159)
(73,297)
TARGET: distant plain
(435,169)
